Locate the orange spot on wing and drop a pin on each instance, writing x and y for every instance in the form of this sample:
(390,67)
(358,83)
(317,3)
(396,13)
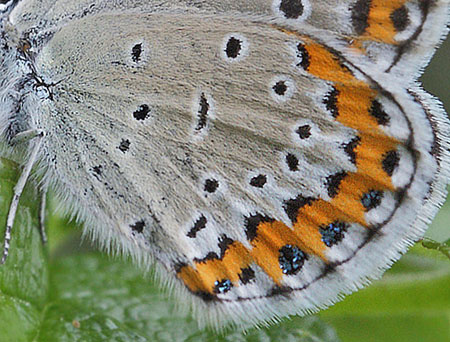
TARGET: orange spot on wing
(370,157)
(380,27)
(326,65)
(353,103)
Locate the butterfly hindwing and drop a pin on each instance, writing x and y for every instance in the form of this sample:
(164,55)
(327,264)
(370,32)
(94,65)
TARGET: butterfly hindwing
(253,163)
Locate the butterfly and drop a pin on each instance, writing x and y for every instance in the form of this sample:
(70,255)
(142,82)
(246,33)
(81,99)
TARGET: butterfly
(266,156)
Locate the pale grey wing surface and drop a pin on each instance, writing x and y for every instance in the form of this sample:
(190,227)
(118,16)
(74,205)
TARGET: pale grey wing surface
(152,132)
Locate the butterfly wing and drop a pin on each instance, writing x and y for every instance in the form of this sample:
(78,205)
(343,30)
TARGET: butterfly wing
(398,36)
(265,170)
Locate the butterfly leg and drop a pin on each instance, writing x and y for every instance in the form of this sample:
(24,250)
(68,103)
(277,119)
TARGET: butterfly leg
(42,208)
(18,189)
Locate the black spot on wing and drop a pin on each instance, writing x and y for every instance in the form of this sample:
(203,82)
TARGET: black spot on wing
(209,256)
(252,223)
(333,182)
(350,148)
(142,113)
(291,9)
(258,181)
(233,47)
(292,206)
(224,243)
(292,162)
(222,286)
(371,199)
(390,162)
(303,131)
(211,185)
(202,115)
(333,232)
(138,227)
(291,259)
(97,171)
(377,111)
(199,224)
(400,18)
(247,275)
(280,88)
(124,145)
(303,56)
(360,16)
(136,53)
(330,102)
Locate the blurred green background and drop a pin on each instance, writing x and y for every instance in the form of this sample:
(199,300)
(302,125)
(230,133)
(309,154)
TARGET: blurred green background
(65,292)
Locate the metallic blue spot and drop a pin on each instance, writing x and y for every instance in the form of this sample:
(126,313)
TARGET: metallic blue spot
(291,259)
(333,233)
(372,199)
(222,286)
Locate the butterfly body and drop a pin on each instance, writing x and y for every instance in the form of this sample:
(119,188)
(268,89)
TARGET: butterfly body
(267,159)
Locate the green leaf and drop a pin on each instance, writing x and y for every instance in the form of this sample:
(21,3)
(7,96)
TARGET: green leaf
(443,247)
(112,291)
(411,303)
(88,297)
